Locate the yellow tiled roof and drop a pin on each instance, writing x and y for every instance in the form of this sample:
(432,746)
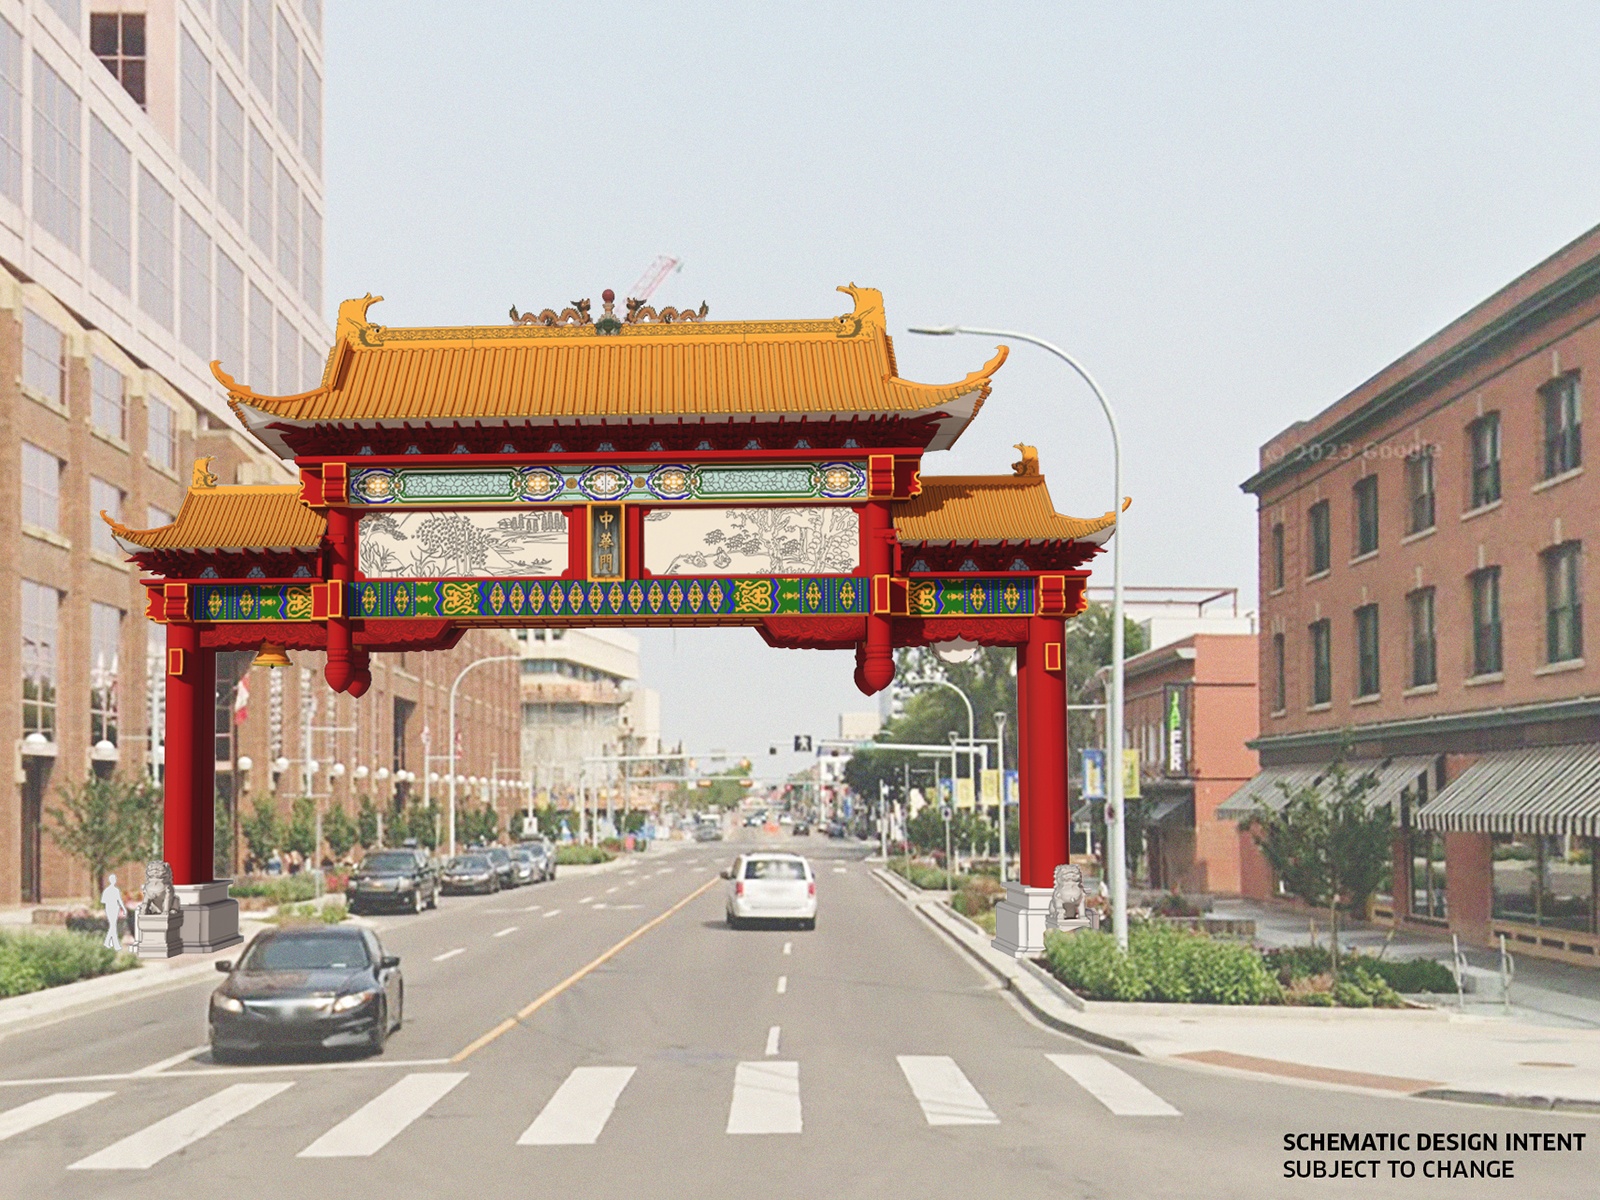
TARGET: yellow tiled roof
(991,508)
(727,369)
(232,518)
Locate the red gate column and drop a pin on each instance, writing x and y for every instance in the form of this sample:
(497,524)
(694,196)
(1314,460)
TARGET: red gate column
(875,655)
(210,918)
(1042,787)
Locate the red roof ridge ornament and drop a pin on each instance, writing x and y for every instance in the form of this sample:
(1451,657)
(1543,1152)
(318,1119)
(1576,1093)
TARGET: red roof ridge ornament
(609,323)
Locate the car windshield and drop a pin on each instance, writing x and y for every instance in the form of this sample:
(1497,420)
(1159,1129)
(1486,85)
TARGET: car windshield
(521,855)
(774,868)
(474,863)
(307,952)
(394,860)
(498,854)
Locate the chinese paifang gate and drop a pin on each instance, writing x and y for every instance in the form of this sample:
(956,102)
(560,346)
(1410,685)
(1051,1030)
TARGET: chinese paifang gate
(631,469)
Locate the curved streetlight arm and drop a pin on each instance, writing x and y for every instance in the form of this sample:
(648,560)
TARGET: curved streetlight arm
(1118,864)
(452,751)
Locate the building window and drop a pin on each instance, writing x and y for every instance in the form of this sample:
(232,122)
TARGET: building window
(230,24)
(1563,425)
(230,152)
(288,227)
(155,249)
(110,206)
(1536,881)
(1277,557)
(57,154)
(161,448)
(1486,648)
(311,255)
(1367,680)
(230,313)
(1366,514)
(41,488)
(105,648)
(1280,675)
(108,403)
(194,108)
(260,190)
(104,498)
(1419,491)
(1563,603)
(261,342)
(1321,537)
(195,278)
(117,40)
(261,47)
(1321,662)
(311,362)
(44,359)
(40,630)
(1483,436)
(10,111)
(1424,643)
(311,115)
(288,79)
(288,356)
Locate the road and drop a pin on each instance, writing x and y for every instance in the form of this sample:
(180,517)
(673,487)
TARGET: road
(866,1058)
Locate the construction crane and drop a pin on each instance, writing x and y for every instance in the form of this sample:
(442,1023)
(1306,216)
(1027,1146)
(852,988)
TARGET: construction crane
(653,277)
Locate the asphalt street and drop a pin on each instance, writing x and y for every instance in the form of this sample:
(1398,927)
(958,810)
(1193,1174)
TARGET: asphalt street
(608,1036)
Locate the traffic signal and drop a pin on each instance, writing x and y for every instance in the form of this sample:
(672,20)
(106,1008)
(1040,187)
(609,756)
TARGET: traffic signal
(802,743)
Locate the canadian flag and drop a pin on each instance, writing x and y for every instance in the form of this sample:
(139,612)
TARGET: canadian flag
(241,701)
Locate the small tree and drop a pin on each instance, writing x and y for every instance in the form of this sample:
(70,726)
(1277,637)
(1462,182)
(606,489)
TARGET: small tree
(423,824)
(103,822)
(339,831)
(301,833)
(367,823)
(1327,845)
(262,830)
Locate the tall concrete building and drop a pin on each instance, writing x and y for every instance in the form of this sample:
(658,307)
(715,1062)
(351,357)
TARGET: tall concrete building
(161,206)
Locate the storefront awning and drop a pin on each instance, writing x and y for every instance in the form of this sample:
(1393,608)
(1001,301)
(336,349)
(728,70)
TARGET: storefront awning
(1269,787)
(1554,790)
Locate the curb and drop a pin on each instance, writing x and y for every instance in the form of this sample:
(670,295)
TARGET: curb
(1507,1100)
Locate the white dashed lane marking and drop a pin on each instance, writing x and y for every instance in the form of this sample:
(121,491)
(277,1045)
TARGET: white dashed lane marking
(449,954)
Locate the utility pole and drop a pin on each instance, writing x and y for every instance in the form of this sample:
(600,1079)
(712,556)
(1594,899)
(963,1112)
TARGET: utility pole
(1000,738)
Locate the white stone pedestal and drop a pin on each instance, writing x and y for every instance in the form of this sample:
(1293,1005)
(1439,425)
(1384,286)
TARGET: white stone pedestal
(1019,920)
(160,935)
(210,916)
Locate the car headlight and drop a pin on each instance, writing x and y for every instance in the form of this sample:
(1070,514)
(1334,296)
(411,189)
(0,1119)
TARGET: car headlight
(227,1003)
(406,885)
(353,1000)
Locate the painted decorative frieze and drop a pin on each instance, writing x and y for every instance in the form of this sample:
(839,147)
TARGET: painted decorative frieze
(817,539)
(250,601)
(432,545)
(971,597)
(659,483)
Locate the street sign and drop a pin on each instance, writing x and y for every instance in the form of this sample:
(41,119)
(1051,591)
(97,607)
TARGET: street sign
(1094,774)
(1130,774)
(945,812)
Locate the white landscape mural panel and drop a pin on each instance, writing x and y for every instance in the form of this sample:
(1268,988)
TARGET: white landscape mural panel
(814,539)
(483,545)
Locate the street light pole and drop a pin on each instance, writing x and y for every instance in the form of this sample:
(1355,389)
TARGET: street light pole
(1119,863)
(494,658)
(1000,754)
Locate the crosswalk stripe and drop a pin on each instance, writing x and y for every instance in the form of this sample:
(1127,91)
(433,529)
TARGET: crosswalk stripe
(773,1035)
(579,1110)
(375,1124)
(945,1093)
(766,1098)
(183,1128)
(1112,1086)
(46,1108)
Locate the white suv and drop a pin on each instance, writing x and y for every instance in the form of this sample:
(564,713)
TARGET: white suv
(771,887)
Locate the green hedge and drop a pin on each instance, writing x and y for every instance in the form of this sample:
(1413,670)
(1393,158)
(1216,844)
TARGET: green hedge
(1416,975)
(1165,964)
(573,854)
(31,962)
(921,875)
(310,914)
(280,889)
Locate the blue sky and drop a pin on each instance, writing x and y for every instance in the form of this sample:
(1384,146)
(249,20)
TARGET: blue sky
(1232,213)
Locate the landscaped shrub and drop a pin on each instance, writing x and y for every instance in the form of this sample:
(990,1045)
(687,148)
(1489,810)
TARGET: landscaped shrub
(978,895)
(573,854)
(1414,975)
(1162,963)
(30,962)
(275,889)
(1292,963)
(311,914)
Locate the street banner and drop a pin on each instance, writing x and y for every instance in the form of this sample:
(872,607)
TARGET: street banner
(991,786)
(1130,775)
(964,793)
(1094,775)
(1011,789)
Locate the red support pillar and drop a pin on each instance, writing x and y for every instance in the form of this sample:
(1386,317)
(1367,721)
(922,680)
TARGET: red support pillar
(1042,746)
(875,655)
(339,670)
(187,828)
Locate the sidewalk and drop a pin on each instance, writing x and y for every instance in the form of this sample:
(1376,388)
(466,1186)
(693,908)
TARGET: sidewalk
(1433,1053)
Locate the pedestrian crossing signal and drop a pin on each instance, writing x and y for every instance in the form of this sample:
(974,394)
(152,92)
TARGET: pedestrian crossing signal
(802,743)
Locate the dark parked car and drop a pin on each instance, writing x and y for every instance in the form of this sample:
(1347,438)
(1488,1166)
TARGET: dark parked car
(836,829)
(469,873)
(544,859)
(315,988)
(398,879)
(801,829)
(503,865)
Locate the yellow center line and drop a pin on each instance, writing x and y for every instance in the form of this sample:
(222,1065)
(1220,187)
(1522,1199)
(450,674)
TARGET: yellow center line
(524,1013)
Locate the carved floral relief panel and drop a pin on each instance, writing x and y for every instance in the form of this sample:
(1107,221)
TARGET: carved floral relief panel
(398,544)
(813,540)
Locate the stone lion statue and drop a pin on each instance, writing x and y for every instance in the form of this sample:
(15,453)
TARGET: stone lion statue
(1066,901)
(158,894)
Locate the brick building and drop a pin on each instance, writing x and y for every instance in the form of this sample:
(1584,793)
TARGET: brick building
(1422,558)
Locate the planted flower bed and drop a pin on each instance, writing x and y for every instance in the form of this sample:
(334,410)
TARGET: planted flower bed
(31,962)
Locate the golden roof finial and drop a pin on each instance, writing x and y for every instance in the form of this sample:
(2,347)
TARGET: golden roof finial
(202,478)
(1029,463)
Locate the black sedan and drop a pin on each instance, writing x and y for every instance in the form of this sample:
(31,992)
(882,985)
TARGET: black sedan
(470,873)
(302,989)
(801,829)
(392,879)
(504,867)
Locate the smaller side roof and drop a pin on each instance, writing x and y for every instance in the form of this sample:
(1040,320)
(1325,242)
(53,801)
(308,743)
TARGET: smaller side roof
(992,508)
(266,517)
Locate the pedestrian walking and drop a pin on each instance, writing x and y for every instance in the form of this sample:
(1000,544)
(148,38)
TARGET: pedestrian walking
(111,900)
